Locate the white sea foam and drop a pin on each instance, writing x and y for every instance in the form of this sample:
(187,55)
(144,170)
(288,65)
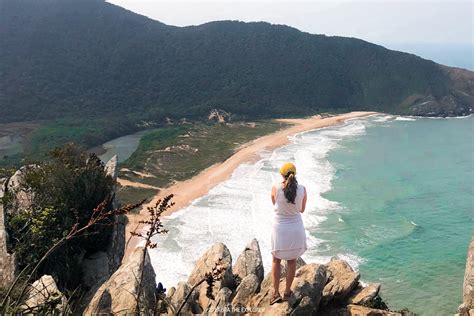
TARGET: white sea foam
(239,209)
(382,118)
(405,118)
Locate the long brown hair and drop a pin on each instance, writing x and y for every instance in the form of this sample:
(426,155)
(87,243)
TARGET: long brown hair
(290,187)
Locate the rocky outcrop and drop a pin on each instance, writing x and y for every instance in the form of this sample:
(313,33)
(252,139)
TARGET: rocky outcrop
(177,298)
(249,262)
(8,264)
(44,297)
(467,306)
(365,295)
(118,295)
(322,289)
(204,265)
(341,281)
(246,289)
(22,200)
(98,266)
(307,287)
(221,306)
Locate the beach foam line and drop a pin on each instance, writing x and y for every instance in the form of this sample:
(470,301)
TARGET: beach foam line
(185,192)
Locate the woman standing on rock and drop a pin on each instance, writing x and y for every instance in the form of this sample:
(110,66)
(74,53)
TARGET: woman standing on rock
(288,235)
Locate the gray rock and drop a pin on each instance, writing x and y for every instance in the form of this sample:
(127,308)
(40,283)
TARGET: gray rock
(111,167)
(22,199)
(177,298)
(249,262)
(8,264)
(205,264)
(221,305)
(118,294)
(305,307)
(43,296)
(95,269)
(342,280)
(307,287)
(244,292)
(365,295)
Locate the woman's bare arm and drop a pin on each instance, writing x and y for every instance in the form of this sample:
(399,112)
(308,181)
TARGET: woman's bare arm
(303,204)
(273,195)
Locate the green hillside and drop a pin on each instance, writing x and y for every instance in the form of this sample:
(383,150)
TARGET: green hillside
(90,63)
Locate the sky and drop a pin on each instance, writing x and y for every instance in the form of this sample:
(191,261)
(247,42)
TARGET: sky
(438,30)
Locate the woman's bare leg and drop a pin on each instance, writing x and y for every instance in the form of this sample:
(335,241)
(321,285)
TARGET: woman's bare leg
(290,275)
(276,275)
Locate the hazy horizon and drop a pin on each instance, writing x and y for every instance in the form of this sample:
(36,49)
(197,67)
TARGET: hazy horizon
(438,30)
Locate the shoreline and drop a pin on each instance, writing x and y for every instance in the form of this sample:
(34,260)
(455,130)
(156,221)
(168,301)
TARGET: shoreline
(187,191)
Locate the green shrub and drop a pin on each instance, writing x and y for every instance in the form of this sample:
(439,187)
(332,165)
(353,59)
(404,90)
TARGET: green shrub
(65,190)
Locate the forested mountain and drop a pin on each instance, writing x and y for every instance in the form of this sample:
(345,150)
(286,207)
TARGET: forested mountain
(88,58)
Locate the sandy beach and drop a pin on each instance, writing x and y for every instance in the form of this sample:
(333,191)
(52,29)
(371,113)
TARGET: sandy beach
(187,191)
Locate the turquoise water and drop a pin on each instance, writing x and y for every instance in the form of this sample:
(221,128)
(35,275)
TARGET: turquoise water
(405,194)
(392,196)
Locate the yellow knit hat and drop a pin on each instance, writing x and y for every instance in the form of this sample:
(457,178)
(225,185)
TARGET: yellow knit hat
(287,167)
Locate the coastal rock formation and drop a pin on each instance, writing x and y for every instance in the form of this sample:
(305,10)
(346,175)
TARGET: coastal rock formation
(178,296)
(205,264)
(119,293)
(116,247)
(44,291)
(307,288)
(341,281)
(322,289)
(8,264)
(221,306)
(249,261)
(246,289)
(467,306)
(22,199)
(364,295)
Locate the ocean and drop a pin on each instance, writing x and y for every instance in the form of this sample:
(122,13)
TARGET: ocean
(391,195)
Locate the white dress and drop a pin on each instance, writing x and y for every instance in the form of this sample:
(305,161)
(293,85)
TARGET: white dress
(288,234)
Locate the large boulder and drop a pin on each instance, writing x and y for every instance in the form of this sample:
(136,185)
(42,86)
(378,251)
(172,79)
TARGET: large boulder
(246,289)
(116,247)
(22,200)
(342,280)
(217,252)
(8,265)
(364,295)
(249,262)
(177,298)
(43,297)
(307,290)
(467,306)
(118,294)
(111,167)
(221,305)
(95,269)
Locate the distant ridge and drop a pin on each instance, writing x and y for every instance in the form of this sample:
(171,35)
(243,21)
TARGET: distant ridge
(89,58)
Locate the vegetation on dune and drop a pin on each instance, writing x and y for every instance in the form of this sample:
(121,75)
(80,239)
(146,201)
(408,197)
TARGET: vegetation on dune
(177,153)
